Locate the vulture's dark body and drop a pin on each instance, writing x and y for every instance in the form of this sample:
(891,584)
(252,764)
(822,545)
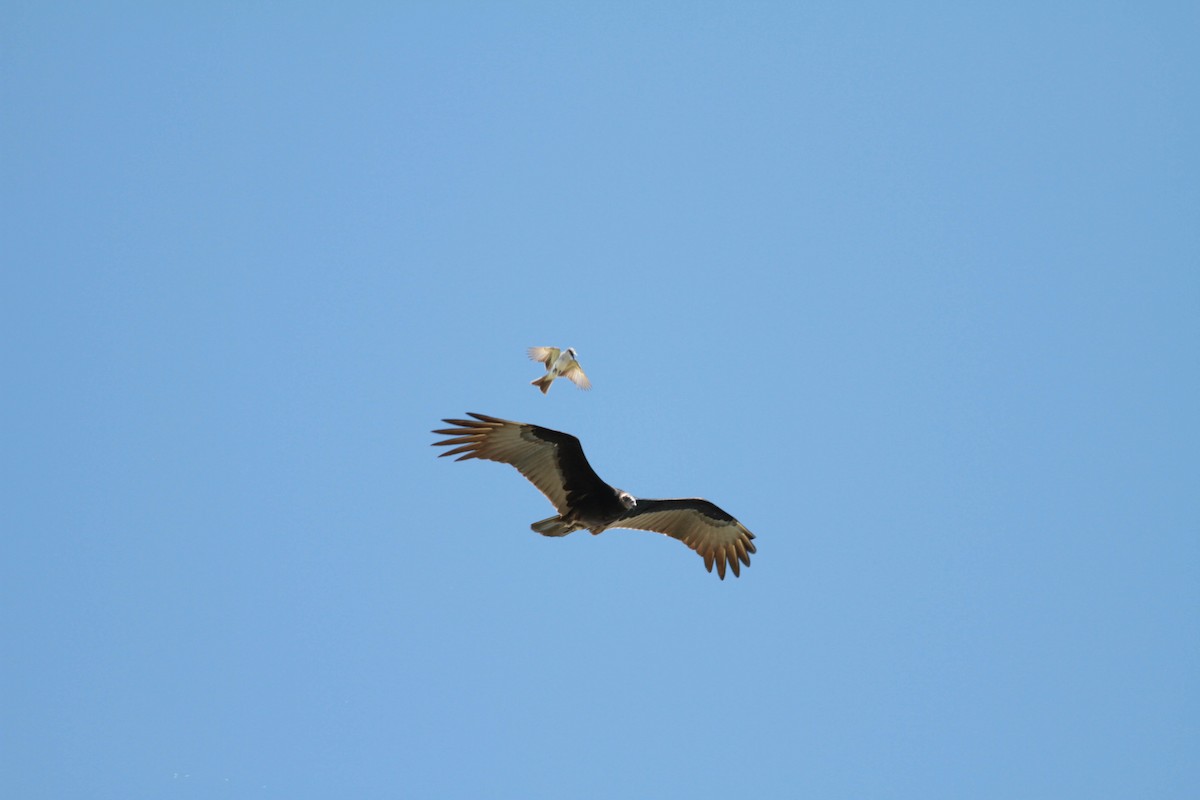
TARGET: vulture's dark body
(594,504)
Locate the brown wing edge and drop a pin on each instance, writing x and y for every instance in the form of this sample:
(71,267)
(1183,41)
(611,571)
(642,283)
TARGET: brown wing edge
(734,554)
(469,434)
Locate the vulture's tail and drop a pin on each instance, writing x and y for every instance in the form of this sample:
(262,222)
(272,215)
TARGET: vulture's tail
(553,526)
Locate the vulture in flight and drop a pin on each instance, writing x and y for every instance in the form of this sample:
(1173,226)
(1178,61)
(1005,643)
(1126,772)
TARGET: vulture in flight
(554,462)
(559,364)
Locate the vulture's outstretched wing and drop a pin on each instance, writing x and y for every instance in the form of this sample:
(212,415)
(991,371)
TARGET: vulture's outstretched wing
(552,461)
(546,355)
(699,524)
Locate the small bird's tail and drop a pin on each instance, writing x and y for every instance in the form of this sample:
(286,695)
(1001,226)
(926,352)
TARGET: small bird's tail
(553,526)
(543,382)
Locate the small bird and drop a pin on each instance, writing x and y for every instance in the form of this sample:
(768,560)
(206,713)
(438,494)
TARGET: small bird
(553,461)
(559,364)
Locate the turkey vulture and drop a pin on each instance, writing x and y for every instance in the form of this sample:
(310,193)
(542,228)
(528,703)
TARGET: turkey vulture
(554,462)
(559,364)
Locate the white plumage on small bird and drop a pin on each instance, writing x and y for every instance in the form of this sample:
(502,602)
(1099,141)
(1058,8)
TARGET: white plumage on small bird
(559,364)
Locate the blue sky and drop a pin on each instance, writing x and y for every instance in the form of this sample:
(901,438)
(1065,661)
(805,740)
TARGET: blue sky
(913,292)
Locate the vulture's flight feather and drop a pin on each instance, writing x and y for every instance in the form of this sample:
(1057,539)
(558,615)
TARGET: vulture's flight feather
(554,462)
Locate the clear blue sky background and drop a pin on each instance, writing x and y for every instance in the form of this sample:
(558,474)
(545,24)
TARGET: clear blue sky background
(912,291)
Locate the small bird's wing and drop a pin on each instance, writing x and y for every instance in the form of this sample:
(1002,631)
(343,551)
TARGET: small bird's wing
(699,524)
(551,460)
(546,355)
(575,373)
